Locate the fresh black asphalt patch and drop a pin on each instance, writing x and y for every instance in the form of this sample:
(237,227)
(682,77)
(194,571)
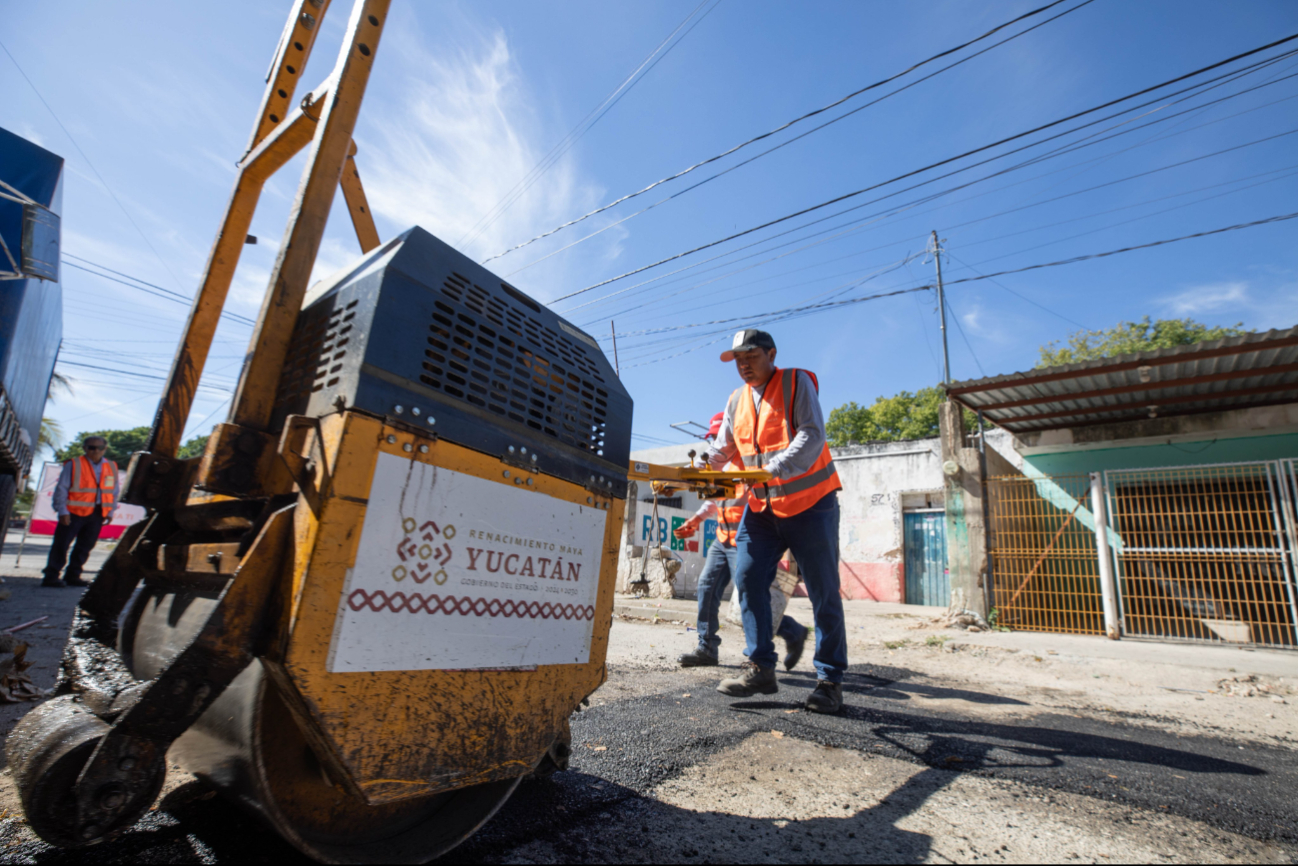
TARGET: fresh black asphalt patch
(642,730)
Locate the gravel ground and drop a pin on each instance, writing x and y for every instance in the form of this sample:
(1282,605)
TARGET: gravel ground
(999,751)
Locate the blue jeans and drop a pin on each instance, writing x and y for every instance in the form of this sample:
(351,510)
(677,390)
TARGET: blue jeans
(813,538)
(717,569)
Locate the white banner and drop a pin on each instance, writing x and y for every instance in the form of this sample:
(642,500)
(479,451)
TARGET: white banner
(457,572)
(44,519)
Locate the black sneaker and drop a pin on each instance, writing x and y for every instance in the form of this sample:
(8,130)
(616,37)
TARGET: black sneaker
(699,658)
(827,698)
(75,581)
(53,584)
(793,650)
(753,679)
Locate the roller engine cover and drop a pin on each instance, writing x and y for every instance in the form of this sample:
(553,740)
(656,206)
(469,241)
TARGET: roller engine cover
(422,336)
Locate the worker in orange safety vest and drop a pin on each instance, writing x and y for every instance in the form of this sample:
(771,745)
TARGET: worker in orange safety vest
(719,569)
(774,422)
(85,498)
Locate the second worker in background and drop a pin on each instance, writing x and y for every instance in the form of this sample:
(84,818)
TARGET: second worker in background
(774,422)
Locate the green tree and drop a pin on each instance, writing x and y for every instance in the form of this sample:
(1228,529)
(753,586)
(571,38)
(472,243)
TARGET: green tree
(51,435)
(194,447)
(890,419)
(1127,337)
(59,384)
(121,444)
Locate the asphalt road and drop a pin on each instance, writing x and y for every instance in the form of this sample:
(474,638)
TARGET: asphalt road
(649,727)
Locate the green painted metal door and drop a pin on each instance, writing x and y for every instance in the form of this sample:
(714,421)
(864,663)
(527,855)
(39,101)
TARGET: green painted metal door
(927,581)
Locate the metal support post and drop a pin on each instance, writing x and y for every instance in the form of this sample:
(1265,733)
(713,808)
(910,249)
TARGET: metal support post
(1108,587)
(359,207)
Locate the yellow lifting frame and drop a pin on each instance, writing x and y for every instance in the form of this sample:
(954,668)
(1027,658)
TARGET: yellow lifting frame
(325,120)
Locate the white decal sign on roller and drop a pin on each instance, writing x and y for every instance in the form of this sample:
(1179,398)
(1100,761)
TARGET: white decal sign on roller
(458,572)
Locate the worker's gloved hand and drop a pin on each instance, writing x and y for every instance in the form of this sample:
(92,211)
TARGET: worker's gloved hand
(65,519)
(686,529)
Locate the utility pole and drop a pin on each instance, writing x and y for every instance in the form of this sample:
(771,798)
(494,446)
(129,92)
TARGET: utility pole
(936,249)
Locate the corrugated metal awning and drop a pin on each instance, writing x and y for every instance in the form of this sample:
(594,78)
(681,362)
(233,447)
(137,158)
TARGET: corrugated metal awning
(1234,373)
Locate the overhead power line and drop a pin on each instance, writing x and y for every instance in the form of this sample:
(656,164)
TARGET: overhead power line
(787,142)
(721,300)
(102,182)
(1088,141)
(896,209)
(789,312)
(101,369)
(929,167)
(800,119)
(142,285)
(1075,259)
(555,153)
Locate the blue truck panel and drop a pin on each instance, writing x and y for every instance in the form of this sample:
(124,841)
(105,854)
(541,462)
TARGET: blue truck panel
(31,310)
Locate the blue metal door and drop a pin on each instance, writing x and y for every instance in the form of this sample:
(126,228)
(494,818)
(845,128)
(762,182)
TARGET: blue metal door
(927,581)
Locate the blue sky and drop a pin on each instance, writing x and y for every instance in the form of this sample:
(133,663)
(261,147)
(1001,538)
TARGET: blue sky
(466,98)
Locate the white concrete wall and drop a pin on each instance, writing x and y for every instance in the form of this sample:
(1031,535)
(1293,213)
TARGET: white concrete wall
(879,480)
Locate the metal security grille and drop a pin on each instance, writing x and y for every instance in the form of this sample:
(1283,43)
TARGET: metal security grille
(1204,552)
(1044,562)
(493,355)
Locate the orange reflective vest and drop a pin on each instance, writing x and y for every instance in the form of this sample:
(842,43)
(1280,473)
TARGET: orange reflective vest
(731,511)
(81,495)
(764,434)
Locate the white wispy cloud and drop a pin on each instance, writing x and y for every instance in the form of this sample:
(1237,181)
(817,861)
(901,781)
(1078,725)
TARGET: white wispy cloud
(1271,302)
(1209,298)
(459,128)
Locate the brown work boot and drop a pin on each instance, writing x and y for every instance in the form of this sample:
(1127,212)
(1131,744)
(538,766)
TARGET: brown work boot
(827,698)
(753,679)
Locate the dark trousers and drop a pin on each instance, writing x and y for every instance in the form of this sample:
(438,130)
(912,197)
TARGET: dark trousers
(813,538)
(83,530)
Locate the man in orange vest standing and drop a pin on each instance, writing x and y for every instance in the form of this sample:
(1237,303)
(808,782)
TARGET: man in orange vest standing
(774,422)
(85,499)
(719,569)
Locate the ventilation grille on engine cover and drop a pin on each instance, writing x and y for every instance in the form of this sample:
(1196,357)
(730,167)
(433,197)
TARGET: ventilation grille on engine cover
(492,355)
(315,357)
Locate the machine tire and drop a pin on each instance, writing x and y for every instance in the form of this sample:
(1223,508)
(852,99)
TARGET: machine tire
(47,751)
(250,746)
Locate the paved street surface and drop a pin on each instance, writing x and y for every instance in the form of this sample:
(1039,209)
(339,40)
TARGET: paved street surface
(952,747)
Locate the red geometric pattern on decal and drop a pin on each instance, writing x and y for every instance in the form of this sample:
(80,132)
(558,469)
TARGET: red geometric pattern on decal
(379,601)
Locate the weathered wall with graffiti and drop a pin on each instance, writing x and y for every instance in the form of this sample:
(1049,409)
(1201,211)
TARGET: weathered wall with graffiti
(675,570)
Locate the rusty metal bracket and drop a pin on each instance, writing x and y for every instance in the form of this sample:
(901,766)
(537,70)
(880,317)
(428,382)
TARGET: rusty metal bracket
(110,792)
(156,481)
(303,455)
(242,462)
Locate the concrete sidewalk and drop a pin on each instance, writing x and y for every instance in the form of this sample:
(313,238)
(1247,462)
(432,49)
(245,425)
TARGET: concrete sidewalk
(882,620)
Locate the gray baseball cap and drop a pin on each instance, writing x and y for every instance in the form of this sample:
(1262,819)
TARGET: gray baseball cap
(748,339)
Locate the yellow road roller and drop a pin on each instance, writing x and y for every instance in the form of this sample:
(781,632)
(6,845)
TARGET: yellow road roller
(370,607)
